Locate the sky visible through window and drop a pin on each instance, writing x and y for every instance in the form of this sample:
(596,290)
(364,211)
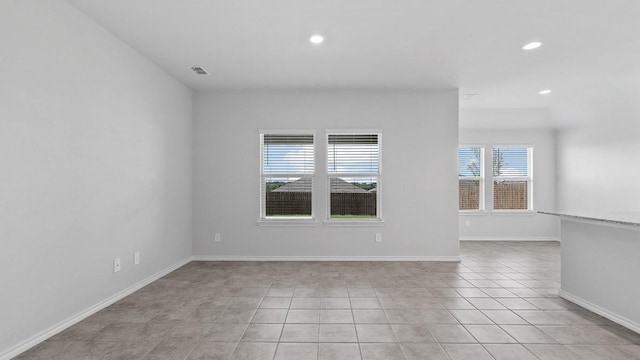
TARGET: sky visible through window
(468,161)
(353,158)
(513,161)
(288,158)
(343,158)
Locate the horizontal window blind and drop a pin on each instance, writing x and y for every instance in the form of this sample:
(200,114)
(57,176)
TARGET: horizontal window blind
(273,139)
(469,194)
(511,178)
(353,153)
(511,161)
(288,162)
(288,197)
(353,198)
(353,165)
(287,154)
(469,178)
(469,161)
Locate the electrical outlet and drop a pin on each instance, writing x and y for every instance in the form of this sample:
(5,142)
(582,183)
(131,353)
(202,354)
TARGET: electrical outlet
(136,258)
(116,265)
(378,237)
(216,237)
(467,223)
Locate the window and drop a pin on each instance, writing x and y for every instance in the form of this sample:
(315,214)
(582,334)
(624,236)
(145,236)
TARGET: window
(286,175)
(512,178)
(354,174)
(470,178)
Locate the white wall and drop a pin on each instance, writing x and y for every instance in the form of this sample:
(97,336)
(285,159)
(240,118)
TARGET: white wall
(599,262)
(95,154)
(420,136)
(598,168)
(491,226)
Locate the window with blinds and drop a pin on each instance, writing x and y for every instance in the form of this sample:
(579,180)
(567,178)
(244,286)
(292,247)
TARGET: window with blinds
(354,174)
(470,178)
(512,178)
(287,169)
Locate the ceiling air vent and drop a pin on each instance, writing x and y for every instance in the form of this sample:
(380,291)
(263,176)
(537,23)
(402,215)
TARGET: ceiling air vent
(199,70)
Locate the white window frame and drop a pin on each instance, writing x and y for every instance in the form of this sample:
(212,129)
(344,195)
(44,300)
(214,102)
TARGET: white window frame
(480,178)
(378,221)
(264,220)
(529,179)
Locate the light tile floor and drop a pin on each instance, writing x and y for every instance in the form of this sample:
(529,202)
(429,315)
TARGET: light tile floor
(499,303)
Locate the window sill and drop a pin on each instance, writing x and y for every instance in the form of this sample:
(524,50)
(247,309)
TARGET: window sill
(310,222)
(514,212)
(473,212)
(354,223)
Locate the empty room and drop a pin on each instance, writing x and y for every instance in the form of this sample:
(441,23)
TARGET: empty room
(326,180)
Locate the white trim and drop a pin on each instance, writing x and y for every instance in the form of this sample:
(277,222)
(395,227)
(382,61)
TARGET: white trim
(288,223)
(514,212)
(473,212)
(74,319)
(480,178)
(377,175)
(264,176)
(528,178)
(288,131)
(353,223)
(509,238)
(353,131)
(324,258)
(619,319)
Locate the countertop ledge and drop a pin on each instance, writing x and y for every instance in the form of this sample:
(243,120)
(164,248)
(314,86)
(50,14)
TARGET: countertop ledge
(611,218)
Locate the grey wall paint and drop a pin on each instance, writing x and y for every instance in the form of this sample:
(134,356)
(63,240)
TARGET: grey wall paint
(95,154)
(516,226)
(599,261)
(597,168)
(420,137)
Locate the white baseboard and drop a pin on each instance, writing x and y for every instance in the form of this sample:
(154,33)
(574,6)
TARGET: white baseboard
(629,324)
(64,324)
(324,258)
(509,238)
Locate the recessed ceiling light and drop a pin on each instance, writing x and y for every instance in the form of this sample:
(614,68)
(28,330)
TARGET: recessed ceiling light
(532,45)
(544,92)
(467,97)
(316,39)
